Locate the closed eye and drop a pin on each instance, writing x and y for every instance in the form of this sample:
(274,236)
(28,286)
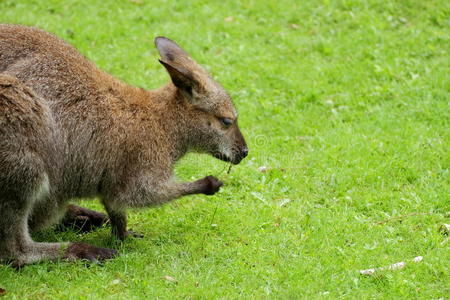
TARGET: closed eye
(227,122)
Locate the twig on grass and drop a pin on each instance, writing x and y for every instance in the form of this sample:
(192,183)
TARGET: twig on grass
(214,214)
(444,229)
(170,279)
(402,217)
(396,266)
(210,224)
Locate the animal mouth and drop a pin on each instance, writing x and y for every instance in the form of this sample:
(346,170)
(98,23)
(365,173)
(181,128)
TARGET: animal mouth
(236,160)
(222,157)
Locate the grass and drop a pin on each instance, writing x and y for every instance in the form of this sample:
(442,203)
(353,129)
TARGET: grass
(346,104)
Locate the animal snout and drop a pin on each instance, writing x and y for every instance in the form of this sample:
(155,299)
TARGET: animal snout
(244,152)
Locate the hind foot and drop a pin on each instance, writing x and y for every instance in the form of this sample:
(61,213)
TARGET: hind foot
(88,252)
(82,219)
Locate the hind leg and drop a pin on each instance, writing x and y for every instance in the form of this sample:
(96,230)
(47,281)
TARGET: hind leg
(15,206)
(17,246)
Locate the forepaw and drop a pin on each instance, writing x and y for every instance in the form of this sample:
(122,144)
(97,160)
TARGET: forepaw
(211,185)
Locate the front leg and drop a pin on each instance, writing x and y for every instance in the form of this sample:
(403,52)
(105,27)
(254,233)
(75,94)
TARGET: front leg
(144,193)
(171,190)
(118,220)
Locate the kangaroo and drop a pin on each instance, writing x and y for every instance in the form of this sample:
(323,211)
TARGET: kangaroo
(69,130)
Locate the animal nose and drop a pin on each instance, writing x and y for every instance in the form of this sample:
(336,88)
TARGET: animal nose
(244,152)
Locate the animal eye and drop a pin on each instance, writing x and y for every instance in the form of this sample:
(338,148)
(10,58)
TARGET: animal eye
(226,122)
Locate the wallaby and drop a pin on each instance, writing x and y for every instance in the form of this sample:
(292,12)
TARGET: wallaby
(69,130)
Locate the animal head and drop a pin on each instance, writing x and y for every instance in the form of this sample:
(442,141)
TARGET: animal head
(212,118)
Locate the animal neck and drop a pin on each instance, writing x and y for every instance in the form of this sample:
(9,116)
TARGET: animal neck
(171,121)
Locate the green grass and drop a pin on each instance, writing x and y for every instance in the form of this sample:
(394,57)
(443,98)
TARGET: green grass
(347,105)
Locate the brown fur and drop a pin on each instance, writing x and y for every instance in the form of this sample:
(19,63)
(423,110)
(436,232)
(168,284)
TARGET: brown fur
(69,130)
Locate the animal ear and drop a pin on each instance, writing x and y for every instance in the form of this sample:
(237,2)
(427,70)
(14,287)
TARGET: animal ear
(169,50)
(182,79)
(183,70)
(186,74)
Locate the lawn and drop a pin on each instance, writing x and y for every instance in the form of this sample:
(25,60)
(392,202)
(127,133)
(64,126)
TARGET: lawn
(345,107)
